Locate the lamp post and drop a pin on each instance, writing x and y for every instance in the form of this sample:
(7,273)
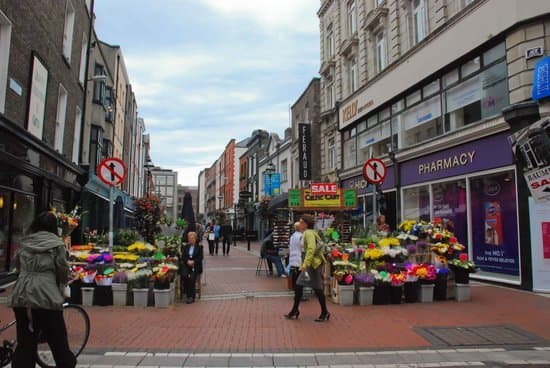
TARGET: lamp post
(270,169)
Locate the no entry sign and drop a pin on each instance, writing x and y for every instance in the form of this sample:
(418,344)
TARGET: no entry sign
(112,171)
(374,171)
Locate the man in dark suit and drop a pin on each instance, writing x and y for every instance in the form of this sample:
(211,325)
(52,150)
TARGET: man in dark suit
(227,235)
(190,265)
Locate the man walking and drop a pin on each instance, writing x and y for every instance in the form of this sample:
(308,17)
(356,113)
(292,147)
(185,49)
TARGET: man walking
(227,236)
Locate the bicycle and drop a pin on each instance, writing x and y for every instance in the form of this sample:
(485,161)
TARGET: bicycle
(77,323)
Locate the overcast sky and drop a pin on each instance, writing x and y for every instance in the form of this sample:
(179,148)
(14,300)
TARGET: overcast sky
(206,71)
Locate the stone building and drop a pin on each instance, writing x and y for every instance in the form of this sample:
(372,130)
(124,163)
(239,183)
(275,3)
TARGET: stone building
(422,84)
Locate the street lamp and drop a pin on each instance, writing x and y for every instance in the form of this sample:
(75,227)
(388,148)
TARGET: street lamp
(270,169)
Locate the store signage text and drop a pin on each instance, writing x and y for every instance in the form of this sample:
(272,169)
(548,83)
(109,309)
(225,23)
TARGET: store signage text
(305,198)
(354,109)
(462,159)
(324,188)
(538,181)
(304,138)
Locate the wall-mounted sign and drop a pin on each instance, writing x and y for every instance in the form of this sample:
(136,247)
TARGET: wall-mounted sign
(541,79)
(306,199)
(534,52)
(354,109)
(323,188)
(304,148)
(37,98)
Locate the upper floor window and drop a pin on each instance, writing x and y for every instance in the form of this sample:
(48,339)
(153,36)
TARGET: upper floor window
(381,53)
(330,94)
(5,40)
(99,85)
(331,152)
(284,170)
(352,72)
(68,30)
(419,20)
(60,119)
(330,42)
(83,60)
(352,17)
(377,3)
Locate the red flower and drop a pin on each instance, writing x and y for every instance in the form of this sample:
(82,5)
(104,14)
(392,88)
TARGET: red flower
(453,240)
(463,257)
(437,236)
(372,246)
(437,220)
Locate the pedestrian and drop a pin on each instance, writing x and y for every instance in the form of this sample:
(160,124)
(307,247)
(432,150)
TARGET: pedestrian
(381,225)
(295,256)
(227,236)
(190,266)
(211,237)
(310,270)
(217,232)
(271,254)
(37,299)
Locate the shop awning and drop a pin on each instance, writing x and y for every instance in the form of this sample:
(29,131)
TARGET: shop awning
(279,201)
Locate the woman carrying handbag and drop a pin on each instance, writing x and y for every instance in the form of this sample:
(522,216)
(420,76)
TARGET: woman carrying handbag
(310,271)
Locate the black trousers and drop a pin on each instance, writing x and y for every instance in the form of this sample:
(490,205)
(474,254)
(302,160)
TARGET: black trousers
(217,241)
(52,326)
(188,282)
(299,292)
(211,247)
(226,244)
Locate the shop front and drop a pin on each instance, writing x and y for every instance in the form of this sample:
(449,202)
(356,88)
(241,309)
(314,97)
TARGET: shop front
(33,178)
(472,189)
(372,203)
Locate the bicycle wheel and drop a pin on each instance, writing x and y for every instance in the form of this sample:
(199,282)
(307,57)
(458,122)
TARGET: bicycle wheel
(77,323)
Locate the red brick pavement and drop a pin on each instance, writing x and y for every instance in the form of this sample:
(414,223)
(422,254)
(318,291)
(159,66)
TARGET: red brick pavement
(257,325)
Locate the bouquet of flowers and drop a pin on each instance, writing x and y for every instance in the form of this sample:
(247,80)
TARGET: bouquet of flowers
(67,222)
(398,279)
(463,263)
(373,253)
(344,271)
(426,273)
(364,279)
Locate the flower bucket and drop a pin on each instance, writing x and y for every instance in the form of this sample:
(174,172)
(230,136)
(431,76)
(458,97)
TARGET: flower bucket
(366,294)
(462,276)
(140,297)
(120,294)
(440,288)
(87,296)
(396,293)
(427,293)
(381,294)
(346,294)
(162,298)
(412,291)
(463,292)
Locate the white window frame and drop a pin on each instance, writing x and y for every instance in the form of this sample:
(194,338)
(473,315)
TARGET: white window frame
(5,42)
(330,94)
(331,153)
(352,17)
(330,42)
(420,27)
(83,59)
(68,30)
(76,136)
(352,73)
(61,118)
(381,52)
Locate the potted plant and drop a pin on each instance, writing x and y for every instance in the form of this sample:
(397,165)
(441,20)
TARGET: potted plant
(88,287)
(426,274)
(365,285)
(462,267)
(139,282)
(120,288)
(163,294)
(344,271)
(396,291)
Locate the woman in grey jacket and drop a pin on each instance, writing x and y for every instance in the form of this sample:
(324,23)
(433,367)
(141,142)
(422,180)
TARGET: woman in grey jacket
(37,299)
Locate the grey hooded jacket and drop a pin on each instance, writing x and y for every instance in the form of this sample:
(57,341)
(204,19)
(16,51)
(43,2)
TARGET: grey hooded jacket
(42,266)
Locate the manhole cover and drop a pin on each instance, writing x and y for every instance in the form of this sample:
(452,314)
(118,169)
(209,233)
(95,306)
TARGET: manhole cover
(478,335)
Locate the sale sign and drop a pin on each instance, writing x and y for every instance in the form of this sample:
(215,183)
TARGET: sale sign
(324,188)
(538,181)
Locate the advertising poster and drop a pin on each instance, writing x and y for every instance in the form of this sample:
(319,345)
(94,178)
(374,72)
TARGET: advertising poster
(449,204)
(37,101)
(494,224)
(539,213)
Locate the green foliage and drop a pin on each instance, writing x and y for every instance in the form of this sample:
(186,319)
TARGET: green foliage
(125,237)
(147,217)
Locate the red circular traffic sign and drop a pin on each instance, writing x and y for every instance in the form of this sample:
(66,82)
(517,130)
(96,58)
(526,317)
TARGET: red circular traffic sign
(374,171)
(111,171)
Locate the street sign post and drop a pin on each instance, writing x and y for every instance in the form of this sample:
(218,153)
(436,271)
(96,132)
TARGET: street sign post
(374,171)
(111,171)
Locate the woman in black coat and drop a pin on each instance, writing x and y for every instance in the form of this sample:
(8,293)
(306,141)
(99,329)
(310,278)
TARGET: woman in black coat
(190,265)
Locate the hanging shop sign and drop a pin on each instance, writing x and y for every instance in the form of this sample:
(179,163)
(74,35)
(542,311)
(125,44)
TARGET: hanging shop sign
(304,148)
(541,79)
(308,199)
(324,188)
(538,181)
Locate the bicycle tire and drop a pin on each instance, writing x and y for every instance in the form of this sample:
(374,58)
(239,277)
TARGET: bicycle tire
(77,323)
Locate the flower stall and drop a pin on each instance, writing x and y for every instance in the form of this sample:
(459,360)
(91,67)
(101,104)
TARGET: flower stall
(421,262)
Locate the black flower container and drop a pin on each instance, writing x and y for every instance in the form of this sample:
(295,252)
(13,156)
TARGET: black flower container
(440,288)
(382,294)
(396,294)
(411,289)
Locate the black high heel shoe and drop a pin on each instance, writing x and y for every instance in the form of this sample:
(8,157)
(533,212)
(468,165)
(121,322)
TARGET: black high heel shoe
(323,317)
(292,314)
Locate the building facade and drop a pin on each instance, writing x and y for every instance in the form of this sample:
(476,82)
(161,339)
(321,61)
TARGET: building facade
(202,197)
(166,188)
(42,74)
(422,85)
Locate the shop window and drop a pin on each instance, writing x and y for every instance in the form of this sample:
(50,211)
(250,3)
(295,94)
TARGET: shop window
(68,31)
(413,98)
(492,55)
(372,121)
(5,41)
(398,106)
(350,153)
(376,141)
(450,78)
(449,204)
(463,104)
(24,212)
(60,119)
(416,203)
(494,90)
(431,88)
(495,223)
(422,122)
(470,67)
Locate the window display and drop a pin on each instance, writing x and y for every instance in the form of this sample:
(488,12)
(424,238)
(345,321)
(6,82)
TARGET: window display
(449,204)
(416,203)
